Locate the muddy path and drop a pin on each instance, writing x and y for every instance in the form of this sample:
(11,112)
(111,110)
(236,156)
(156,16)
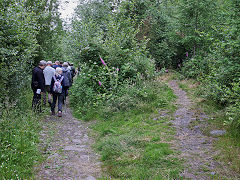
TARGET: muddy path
(66,143)
(196,148)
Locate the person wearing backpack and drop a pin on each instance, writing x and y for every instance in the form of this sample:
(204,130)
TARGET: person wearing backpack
(57,90)
(67,78)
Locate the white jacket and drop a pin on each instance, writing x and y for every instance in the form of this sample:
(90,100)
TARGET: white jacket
(48,72)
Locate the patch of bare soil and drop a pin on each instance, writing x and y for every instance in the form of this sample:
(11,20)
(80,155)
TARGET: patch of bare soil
(66,141)
(196,148)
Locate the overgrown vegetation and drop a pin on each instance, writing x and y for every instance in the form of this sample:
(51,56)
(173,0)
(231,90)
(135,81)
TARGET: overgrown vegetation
(136,143)
(112,60)
(19,132)
(30,31)
(119,45)
(199,38)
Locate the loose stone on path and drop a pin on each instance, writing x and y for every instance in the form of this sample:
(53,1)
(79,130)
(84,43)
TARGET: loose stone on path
(218,132)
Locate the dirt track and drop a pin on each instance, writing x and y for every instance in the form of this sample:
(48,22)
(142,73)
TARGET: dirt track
(68,145)
(196,148)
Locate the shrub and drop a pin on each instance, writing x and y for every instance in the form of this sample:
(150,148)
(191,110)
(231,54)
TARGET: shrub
(195,67)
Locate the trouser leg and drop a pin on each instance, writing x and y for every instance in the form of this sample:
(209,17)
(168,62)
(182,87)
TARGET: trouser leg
(49,98)
(36,103)
(60,102)
(65,94)
(44,98)
(54,102)
(47,87)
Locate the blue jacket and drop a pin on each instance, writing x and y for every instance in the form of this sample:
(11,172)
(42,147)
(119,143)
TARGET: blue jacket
(55,66)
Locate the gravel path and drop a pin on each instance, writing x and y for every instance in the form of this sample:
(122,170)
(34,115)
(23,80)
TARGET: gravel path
(68,145)
(196,148)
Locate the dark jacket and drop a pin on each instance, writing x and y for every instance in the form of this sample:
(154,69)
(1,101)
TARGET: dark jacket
(67,76)
(73,71)
(55,66)
(62,83)
(38,80)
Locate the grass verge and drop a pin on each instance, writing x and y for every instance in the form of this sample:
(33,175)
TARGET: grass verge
(136,143)
(19,138)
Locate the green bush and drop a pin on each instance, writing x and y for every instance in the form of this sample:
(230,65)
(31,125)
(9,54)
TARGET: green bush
(195,67)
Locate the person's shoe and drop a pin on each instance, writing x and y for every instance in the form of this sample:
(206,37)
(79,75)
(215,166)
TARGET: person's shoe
(59,113)
(53,113)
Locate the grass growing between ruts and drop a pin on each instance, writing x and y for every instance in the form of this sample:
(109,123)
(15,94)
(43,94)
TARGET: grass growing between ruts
(136,143)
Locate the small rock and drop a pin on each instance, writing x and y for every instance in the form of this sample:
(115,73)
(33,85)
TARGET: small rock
(77,141)
(218,132)
(53,156)
(90,178)
(73,148)
(47,172)
(213,173)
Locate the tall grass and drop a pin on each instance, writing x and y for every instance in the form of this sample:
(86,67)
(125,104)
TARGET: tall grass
(19,137)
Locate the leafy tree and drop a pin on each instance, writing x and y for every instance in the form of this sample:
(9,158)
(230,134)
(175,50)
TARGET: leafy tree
(195,17)
(18,45)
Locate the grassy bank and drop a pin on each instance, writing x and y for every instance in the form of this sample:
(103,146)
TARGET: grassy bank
(19,137)
(136,143)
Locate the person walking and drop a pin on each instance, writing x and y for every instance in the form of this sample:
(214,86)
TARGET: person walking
(57,90)
(57,64)
(48,72)
(38,85)
(72,70)
(67,77)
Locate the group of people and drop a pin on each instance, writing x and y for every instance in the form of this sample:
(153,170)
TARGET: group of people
(52,81)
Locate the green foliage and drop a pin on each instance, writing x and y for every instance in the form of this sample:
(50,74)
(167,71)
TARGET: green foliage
(17,47)
(195,67)
(218,68)
(30,31)
(134,146)
(19,132)
(112,38)
(22,24)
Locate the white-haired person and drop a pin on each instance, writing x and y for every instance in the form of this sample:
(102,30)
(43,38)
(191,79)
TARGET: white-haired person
(57,90)
(48,72)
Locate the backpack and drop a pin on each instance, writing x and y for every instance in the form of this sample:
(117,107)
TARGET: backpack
(57,87)
(72,71)
(66,75)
